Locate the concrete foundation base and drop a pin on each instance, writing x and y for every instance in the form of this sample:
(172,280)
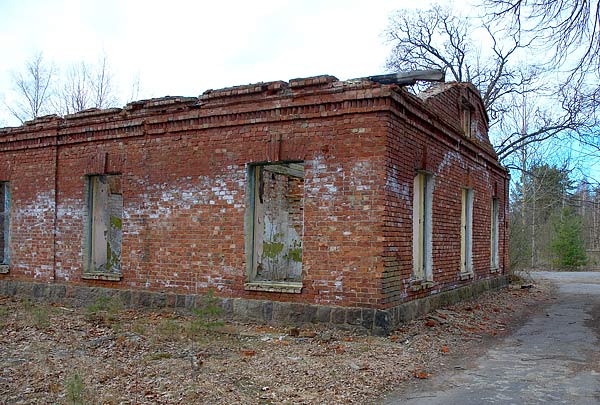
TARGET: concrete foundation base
(367,320)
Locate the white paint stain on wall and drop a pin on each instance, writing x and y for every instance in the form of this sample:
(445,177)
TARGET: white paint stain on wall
(357,176)
(320,181)
(393,185)
(447,161)
(34,213)
(188,193)
(70,215)
(33,226)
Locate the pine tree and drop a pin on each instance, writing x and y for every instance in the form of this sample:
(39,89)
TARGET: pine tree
(567,245)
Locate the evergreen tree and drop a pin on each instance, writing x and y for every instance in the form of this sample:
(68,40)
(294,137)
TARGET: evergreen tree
(535,201)
(567,245)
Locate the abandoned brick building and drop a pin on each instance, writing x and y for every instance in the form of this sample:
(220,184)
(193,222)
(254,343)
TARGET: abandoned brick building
(314,200)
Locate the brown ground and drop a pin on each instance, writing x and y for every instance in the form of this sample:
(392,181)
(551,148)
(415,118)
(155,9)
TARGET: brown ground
(106,355)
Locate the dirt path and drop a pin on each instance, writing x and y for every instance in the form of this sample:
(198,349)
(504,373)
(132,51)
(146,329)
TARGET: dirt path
(554,357)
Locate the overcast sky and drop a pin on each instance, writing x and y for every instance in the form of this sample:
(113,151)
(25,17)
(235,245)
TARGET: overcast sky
(180,47)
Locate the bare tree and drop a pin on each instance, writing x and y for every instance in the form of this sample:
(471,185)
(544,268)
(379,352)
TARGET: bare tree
(74,94)
(32,89)
(86,86)
(563,113)
(41,89)
(135,88)
(101,80)
(570,33)
(437,38)
(570,27)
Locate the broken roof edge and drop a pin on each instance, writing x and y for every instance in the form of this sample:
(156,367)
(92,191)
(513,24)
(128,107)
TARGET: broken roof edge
(439,88)
(410,77)
(466,95)
(325,81)
(394,82)
(269,87)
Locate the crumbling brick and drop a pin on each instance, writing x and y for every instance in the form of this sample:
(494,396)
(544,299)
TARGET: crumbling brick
(183,165)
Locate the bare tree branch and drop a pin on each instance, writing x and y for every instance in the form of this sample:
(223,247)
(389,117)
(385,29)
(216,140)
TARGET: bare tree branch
(570,27)
(86,86)
(102,83)
(33,89)
(437,38)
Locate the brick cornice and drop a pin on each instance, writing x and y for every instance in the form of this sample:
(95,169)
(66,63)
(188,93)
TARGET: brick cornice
(175,115)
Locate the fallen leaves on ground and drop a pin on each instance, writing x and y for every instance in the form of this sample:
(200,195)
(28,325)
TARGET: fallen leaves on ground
(421,375)
(55,354)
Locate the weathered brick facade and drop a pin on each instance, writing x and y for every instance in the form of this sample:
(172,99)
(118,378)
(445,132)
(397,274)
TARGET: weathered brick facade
(190,173)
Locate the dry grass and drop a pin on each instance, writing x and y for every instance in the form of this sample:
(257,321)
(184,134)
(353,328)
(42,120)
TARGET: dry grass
(108,355)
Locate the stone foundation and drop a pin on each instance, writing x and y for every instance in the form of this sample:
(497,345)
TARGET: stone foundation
(368,320)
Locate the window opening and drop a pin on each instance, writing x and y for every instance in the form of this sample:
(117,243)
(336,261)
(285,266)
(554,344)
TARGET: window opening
(104,225)
(466,250)
(278,223)
(422,227)
(494,234)
(466,121)
(4,226)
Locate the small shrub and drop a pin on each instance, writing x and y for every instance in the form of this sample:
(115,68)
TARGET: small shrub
(168,328)
(41,317)
(105,310)
(207,316)
(139,327)
(27,304)
(75,390)
(3,315)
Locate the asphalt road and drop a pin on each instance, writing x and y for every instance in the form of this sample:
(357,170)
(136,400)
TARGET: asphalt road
(554,357)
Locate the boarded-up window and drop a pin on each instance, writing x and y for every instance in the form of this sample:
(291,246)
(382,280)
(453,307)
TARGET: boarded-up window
(466,231)
(494,234)
(4,224)
(422,227)
(466,121)
(104,228)
(277,223)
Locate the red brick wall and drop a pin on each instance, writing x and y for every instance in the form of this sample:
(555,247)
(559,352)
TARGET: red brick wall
(437,146)
(184,177)
(30,173)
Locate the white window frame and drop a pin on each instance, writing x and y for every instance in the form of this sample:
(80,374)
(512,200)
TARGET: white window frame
(466,231)
(494,235)
(5,218)
(423,226)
